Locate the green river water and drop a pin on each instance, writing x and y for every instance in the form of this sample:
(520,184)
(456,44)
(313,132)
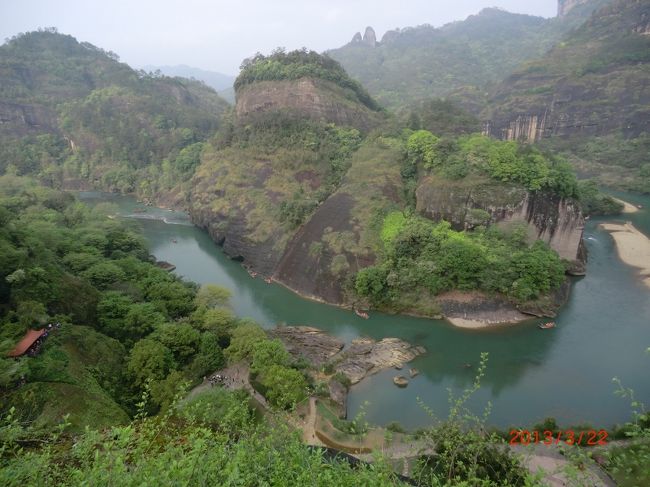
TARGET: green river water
(566,372)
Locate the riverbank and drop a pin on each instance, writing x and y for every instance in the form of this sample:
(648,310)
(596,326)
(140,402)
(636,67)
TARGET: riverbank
(627,207)
(633,247)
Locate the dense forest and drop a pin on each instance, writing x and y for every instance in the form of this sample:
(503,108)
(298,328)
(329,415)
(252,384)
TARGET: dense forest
(74,115)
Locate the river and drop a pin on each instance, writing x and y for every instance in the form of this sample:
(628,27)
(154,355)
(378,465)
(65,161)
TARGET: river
(566,372)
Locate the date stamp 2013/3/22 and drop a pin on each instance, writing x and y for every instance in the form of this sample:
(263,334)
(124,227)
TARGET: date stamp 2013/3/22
(569,437)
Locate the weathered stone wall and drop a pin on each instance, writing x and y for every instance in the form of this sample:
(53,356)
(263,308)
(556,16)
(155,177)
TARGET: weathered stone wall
(311,98)
(557,221)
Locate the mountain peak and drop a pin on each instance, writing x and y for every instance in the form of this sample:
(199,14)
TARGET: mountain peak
(565,6)
(369,37)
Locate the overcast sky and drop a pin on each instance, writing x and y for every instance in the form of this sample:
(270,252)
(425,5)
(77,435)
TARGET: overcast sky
(216,35)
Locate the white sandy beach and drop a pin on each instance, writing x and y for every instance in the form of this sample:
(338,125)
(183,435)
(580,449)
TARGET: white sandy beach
(633,247)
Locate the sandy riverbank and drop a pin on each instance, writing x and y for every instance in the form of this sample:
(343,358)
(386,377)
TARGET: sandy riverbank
(633,247)
(627,207)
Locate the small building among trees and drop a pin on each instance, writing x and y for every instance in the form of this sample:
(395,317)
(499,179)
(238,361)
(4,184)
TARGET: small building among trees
(29,342)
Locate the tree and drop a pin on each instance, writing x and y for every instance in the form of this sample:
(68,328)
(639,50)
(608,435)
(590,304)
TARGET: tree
(140,320)
(103,274)
(243,341)
(149,359)
(285,387)
(112,309)
(421,147)
(181,339)
(212,296)
(175,298)
(209,358)
(267,353)
(163,392)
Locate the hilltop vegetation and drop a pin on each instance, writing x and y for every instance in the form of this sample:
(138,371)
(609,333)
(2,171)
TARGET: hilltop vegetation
(296,65)
(75,116)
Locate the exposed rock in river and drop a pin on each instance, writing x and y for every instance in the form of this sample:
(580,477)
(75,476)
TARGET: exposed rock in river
(364,356)
(309,343)
(400,381)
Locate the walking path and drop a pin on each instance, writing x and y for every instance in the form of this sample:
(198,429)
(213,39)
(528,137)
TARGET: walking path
(535,458)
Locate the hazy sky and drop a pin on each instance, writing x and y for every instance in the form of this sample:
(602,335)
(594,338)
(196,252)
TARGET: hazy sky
(217,35)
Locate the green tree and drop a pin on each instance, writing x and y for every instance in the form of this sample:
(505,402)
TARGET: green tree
(285,387)
(267,353)
(212,296)
(244,339)
(149,359)
(421,146)
(181,339)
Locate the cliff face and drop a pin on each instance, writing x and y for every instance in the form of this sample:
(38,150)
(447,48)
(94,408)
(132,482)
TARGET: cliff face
(611,102)
(593,84)
(338,240)
(18,119)
(557,221)
(311,98)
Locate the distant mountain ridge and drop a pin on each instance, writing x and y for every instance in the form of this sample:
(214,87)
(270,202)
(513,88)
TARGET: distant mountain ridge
(414,63)
(214,79)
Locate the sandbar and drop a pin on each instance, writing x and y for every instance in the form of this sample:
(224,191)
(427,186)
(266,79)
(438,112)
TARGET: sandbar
(633,247)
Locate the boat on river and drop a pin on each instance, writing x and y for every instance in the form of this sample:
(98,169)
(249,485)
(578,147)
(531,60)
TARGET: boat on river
(361,314)
(546,326)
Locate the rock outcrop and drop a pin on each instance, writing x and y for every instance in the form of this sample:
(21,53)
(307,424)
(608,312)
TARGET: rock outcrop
(557,221)
(364,356)
(369,37)
(311,344)
(316,99)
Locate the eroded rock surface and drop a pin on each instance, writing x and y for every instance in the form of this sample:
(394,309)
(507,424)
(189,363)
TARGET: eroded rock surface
(364,356)
(309,343)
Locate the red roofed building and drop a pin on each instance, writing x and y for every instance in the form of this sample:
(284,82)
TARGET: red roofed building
(25,344)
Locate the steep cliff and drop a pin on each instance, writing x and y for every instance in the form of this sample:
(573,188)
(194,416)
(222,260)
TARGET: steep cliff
(565,6)
(555,220)
(278,196)
(589,95)
(317,99)
(339,239)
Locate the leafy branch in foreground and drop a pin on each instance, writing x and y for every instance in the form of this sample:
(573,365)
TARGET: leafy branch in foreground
(461,450)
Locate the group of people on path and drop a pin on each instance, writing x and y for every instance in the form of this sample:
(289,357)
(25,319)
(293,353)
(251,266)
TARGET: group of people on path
(222,380)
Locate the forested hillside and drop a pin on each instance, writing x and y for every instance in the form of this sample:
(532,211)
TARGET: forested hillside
(413,63)
(588,96)
(75,116)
